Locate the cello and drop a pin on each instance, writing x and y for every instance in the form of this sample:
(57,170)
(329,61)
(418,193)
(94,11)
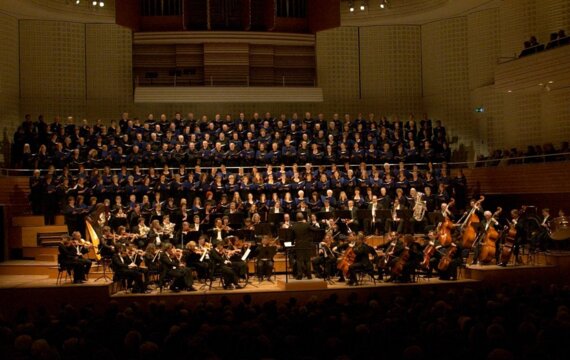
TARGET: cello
(347,260)
(488,249)
(444,232)
(468,234)
(446,259)
(509,243)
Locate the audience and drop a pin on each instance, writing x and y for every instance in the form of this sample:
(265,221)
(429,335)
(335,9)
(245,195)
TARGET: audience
(534,154)
(505,323)
(532,46)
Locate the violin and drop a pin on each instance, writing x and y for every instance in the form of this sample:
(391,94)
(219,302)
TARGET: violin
(469,235)
(488,249)
(446,226)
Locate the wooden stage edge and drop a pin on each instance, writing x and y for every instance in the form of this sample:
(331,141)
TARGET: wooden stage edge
(19,288)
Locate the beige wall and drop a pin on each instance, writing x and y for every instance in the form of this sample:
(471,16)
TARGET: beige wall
(446,77)
(469,47)
(9,70)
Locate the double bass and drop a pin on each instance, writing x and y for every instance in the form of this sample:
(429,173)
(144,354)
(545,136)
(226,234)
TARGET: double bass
(468,234)
(488,247)
(509,244)
(444,231)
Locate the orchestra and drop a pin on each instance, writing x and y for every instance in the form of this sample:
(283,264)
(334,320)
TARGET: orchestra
(393,234)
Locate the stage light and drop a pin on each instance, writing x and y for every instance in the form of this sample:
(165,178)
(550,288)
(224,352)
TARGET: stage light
(351,6)
(94,3)
(362,5)
(77,2)
(101,4)
(383,4)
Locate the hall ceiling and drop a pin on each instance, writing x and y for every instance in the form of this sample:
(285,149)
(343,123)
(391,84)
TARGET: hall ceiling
(409,12)
(62,10)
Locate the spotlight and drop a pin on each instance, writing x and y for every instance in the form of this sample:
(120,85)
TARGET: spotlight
(101,4)
(351,6)
(383,4)
(94,3)
(77,2)
(362,5)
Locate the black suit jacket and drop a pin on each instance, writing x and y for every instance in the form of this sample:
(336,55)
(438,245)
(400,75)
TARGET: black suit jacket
(302,235)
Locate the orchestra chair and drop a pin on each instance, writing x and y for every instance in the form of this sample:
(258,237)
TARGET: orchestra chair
(363,276)
(64,272)
(215,274)
(259,278)
(164,279)
(119,284)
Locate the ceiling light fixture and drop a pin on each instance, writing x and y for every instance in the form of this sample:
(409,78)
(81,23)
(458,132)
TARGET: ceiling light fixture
(101,4)
(77,2)
(362,5)
(351,6)
(383,4)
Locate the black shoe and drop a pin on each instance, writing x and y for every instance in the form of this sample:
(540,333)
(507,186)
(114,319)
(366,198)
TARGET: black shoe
(341,280)
(239,287)
(299,278)
(191,288)
(175,289)
(309,277)
(351,283)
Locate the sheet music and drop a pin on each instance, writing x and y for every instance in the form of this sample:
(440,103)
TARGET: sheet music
(246,254)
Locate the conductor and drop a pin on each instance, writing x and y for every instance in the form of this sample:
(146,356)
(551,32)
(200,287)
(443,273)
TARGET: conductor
(302,237)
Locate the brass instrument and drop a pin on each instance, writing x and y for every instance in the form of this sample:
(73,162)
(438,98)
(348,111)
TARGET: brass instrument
(420,207)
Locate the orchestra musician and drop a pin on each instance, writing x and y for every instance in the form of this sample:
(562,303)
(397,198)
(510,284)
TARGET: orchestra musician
(197,259)
(150,258)
(487,221)
(395,222)
(236,249)
(374,224)
(82,250)
(517,223)
(217,233)
(168,229)
(221,262)
(126,269)
(324,264)
(141,232)
(69,259)
(540,240)
(181,275)
(264,254)
(107,243)
(156,233)
(362,263)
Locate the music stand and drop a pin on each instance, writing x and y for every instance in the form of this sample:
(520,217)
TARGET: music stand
(287,245)
(262,229)
(274,218)
(284,235)
(343,214)
(322,215)
(365,214)
(236,219)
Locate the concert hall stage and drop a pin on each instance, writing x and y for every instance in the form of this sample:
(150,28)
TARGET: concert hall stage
(32,284)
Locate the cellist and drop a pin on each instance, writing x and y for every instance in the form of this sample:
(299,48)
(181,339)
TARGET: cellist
(362,261)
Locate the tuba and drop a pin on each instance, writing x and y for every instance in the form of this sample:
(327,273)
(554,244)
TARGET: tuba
(420,207)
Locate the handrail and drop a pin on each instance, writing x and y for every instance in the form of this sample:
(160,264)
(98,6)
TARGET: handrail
(456,164)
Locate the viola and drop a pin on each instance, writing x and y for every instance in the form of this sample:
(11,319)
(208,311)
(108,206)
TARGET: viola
(488,249)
